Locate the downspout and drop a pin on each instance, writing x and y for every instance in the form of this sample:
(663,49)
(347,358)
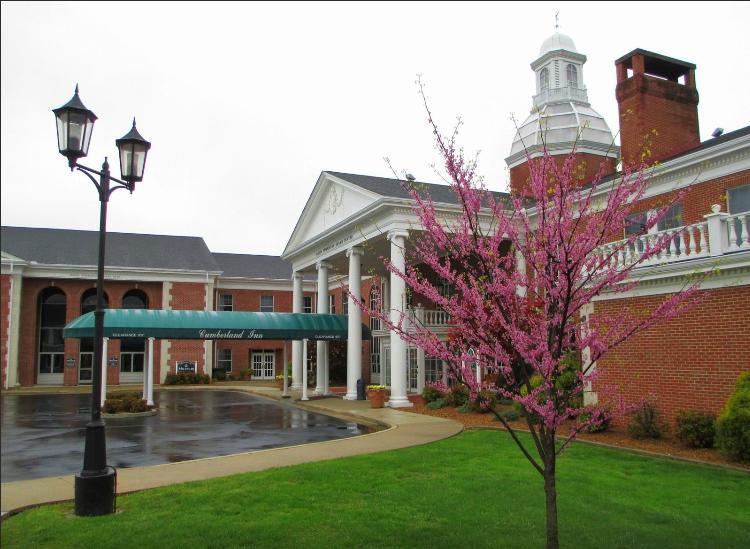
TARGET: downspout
(10,330)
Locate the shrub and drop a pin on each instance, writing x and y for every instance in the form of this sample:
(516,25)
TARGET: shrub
(186,378)
(485,401)
(112,406)
(696,429)
(431,393)
(465,408)
(458,396)
(138,406)
(510,415)
(646,423)
(733,425)
(601,427)
(436,404)
(219,375)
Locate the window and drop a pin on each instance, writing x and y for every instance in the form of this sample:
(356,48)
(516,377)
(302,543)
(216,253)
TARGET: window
(86,349)
(738,199)
(544,79)
(445,288)
(226,302)
(132,349)
(345,302)
(672,219)
(375,305)
(433,369)
(266,304)
(224,361)
(307,303)
(635,224)
(572,74)
(332,304)
(52,305)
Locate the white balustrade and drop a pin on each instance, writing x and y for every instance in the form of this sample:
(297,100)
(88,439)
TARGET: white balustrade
(737,231)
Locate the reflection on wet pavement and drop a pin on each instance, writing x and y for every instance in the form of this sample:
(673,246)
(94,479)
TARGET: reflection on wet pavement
(43,435)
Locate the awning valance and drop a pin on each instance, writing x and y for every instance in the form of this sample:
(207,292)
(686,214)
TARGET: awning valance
(121,323)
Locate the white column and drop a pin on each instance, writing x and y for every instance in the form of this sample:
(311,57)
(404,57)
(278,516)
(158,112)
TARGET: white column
(419,316)
(354,335)
(297,307)
(717,230)
(322,346)
(398,303)
(285,393)
(105,341)
(304,370)
(150,378)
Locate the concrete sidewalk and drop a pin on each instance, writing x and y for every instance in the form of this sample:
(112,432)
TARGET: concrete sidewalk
(403,429)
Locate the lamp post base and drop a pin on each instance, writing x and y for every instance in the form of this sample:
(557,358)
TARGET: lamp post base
(95,494)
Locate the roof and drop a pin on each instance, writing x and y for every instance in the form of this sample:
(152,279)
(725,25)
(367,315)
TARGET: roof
(395,188)
(557,41)
(211,325)
(657,62)
(253,266)
(81,248)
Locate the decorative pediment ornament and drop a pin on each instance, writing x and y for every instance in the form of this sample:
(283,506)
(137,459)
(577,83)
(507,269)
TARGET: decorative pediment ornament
(335,198)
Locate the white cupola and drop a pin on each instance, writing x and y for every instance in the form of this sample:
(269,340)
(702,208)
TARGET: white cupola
(561,115)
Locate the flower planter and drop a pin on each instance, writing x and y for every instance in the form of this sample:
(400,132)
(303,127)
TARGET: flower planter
(376,398)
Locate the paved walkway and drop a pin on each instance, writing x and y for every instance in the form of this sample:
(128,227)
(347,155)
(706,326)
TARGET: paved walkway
(403,429)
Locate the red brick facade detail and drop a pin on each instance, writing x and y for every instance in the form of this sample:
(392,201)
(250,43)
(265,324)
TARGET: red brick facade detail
(187,296)
(658,116)
(73,290)
(690,362)
(588,166)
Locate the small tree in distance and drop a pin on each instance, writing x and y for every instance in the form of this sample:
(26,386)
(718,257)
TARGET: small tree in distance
(522,269)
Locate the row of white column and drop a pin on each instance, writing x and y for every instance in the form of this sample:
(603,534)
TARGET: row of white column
(148,373)
(398,396)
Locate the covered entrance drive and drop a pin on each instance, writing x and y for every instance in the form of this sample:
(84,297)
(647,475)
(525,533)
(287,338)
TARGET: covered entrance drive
(209,325)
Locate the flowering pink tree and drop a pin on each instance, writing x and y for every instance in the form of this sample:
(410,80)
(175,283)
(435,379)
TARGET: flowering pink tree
(523,268)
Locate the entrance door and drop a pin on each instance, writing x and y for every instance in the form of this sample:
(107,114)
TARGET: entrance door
(375,362)
(85,370)
(385,366)
(263,364)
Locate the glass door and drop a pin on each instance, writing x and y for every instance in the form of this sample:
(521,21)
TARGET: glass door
(85,370)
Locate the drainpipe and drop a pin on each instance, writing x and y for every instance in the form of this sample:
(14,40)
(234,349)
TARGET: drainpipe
(10,330)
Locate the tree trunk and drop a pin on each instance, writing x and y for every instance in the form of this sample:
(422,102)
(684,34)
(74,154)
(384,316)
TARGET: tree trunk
(550,492)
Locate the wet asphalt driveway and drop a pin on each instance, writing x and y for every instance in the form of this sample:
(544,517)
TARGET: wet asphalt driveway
(43,435)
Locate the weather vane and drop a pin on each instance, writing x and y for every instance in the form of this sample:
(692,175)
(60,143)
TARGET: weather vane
(557,23)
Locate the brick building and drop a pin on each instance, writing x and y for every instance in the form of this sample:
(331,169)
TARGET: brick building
(351,221)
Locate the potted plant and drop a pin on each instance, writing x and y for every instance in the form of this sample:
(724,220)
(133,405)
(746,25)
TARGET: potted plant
(246,374)
(280,381)
(376,395)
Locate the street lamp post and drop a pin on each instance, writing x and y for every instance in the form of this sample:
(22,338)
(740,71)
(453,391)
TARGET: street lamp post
(95,484)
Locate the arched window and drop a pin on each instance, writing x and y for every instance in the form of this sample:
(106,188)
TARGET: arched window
(375,305)
(132,349)
(572,74)
(544,79)
(52,311)
(86,351)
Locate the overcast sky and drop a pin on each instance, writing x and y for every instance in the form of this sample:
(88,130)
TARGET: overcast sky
(245,104)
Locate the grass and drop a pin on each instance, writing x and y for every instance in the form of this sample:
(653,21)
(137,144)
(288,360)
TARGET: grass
(473,490)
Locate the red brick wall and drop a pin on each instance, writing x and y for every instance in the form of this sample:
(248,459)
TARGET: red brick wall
(697,201)
(657,117)
(5,295)
(73,289)
(187,296)
(587,167)
(690,362)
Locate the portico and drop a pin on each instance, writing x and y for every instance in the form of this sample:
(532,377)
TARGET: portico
(349,226)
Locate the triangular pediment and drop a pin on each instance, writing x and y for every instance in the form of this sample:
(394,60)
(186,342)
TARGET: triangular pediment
(332,201)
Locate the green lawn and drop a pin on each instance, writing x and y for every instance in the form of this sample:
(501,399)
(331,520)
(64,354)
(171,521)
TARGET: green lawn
(473,490)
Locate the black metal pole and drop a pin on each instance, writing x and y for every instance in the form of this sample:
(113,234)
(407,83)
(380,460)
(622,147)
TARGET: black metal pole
(95,484)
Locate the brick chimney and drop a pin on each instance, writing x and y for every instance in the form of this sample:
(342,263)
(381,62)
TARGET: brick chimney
(658,105)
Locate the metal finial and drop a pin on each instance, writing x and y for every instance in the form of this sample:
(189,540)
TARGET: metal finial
(134,121)
(76,88)
(557,22)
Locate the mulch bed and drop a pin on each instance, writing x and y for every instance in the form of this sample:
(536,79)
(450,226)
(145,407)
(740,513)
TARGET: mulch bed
(614,436)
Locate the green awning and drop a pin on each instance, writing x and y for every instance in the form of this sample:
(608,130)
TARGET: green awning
(119,323)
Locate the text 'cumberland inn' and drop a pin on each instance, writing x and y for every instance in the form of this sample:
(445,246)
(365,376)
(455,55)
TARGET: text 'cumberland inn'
(230,334)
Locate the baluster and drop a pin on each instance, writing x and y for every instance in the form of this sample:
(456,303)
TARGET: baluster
(691,244)
(702,243)
(732,233)
(744,241)
(672,252)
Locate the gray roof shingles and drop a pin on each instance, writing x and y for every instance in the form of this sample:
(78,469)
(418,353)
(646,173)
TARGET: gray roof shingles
(81,248)
(254,266)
